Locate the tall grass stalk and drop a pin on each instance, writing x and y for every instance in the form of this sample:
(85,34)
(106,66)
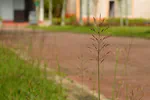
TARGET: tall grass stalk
(98,47)
(115,74)
(59,74)
(127,54)
(82,70)
(93,85)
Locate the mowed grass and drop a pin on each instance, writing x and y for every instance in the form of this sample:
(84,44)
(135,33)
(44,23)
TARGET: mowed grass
(20,80)
(134,31)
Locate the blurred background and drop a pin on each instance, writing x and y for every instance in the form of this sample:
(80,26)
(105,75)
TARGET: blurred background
(76,12)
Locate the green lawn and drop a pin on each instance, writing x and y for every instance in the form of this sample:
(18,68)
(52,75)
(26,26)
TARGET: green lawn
(19,80)
(139,31)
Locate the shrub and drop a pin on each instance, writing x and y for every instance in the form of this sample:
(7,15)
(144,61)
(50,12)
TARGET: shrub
(69,21)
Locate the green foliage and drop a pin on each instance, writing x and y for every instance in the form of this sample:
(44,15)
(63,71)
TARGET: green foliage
(0,18)
(20,80)
(69,21)
(57,6)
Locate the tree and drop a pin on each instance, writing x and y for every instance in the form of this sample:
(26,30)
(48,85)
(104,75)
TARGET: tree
(56,6)
(121,16)
(50,12)
(95,7)
(81,21)
(88,12)
(41,13)
(63,13)
(126,4)
(95,2)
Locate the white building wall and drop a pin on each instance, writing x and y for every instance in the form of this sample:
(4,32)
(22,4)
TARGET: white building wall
(19,4)
(141,9)
(7,9)
(91,8)
(102,8)
(96,9)
(122,3)
(136,8)
(84,8)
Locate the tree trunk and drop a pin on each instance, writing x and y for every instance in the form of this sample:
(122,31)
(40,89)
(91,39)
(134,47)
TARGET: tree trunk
(81,21)
(95,10)
(121,16)
(96,7)
(41,16)
(126,3)
(88,12)
(50,12)
(63,13)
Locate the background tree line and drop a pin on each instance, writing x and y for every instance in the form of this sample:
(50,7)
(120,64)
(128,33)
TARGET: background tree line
(56,7)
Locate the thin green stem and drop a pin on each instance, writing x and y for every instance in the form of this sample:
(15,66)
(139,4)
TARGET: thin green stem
(115,76)
(59,74)
(125,72)
(98,62)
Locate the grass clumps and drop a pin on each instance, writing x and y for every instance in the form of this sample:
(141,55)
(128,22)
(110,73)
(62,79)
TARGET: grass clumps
(134,31)
(132,22)
(20,80)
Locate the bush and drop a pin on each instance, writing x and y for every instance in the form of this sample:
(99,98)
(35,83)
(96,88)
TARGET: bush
(56,21)
(69,21)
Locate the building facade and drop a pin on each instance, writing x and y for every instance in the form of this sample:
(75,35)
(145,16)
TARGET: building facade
(16,10)
(110,8)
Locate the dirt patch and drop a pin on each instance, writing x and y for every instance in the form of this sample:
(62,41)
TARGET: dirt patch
(68,47)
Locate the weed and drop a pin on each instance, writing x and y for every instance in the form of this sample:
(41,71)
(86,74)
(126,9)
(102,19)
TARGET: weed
(115,74)
(127,53)
(98,47)
(82,69)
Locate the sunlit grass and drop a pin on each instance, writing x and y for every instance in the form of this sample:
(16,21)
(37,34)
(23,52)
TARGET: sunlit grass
(20,80)
(134,31)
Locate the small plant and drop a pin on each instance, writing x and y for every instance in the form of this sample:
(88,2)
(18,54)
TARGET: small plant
(82,69)
(127,54)
(116,86)
(98,48)
(93,84)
